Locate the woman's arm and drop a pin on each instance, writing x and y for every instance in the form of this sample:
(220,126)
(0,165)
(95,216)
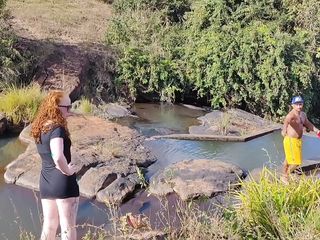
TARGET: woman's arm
(56,147)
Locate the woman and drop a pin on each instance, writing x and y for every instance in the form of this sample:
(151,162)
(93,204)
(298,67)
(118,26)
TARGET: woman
(59,190)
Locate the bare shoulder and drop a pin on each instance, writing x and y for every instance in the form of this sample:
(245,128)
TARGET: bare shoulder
(289,116)
(303,114)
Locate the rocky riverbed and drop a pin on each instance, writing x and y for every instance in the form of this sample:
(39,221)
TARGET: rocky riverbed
(108,157)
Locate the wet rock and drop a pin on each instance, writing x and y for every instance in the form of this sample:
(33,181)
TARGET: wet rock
(163,131)
(25,170)
(25,136)
(3,123)
(95,179)
(106,156)
(234,122)
(118,190)
(196,178)
(204,130)
(193,107)
(112,110)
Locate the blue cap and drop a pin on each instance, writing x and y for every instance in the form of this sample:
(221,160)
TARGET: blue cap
(297,99)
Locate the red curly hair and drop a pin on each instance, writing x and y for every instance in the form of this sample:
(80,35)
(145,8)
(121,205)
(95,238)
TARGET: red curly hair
(48,112)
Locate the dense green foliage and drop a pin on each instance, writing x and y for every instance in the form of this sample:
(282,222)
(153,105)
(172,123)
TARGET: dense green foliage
(14,66)
(249,54)
(147,42)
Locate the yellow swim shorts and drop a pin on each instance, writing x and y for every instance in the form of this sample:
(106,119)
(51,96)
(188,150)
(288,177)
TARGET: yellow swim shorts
(293,150)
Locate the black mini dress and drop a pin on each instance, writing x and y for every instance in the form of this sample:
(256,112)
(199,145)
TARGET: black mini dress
(53,183)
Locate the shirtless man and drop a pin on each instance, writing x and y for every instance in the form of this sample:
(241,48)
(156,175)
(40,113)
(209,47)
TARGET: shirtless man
(292,132)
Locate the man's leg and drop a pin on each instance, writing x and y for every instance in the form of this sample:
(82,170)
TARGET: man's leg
(292,168)
(285,168)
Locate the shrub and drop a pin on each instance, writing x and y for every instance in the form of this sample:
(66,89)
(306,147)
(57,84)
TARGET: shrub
(85,106)
(21,104)
(14,66)
(250,54)
(148,60)
(174,10)
(247,55)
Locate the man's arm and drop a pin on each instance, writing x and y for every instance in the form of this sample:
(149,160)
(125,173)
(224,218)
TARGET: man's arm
(310,126)
(285,125)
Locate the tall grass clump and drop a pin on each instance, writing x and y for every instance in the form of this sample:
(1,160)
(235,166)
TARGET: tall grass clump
(85,106)
(20,104)
(270,209)
(204,224)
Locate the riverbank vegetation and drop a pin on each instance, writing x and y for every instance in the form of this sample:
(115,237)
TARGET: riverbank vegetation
(20,104)
(14,64)
(263,209)
(250,54)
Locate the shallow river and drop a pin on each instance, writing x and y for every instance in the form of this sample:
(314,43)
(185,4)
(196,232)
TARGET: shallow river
(20,207)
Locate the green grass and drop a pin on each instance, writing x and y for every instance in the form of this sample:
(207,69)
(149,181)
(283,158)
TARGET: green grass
(21,104)
(225,123)
(270,209)
(85,106)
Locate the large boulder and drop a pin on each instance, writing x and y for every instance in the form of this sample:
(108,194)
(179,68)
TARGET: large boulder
(107,156)
(24,135)
(231,122)
(196,178)
(112,110)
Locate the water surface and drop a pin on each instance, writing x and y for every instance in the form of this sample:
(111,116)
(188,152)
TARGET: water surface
(21,210)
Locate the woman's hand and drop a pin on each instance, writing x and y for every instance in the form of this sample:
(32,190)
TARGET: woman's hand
(72,168)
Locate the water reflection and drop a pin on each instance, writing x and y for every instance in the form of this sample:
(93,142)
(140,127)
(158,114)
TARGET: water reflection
(161,119)
(10,148)
(158,119)
(21,211)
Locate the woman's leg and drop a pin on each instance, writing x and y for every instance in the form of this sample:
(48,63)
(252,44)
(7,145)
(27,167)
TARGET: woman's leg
(50,219)
(68,209)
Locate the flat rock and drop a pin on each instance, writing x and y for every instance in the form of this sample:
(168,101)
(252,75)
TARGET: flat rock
(196,178)
(231,122)
(106,155)
(113,110)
